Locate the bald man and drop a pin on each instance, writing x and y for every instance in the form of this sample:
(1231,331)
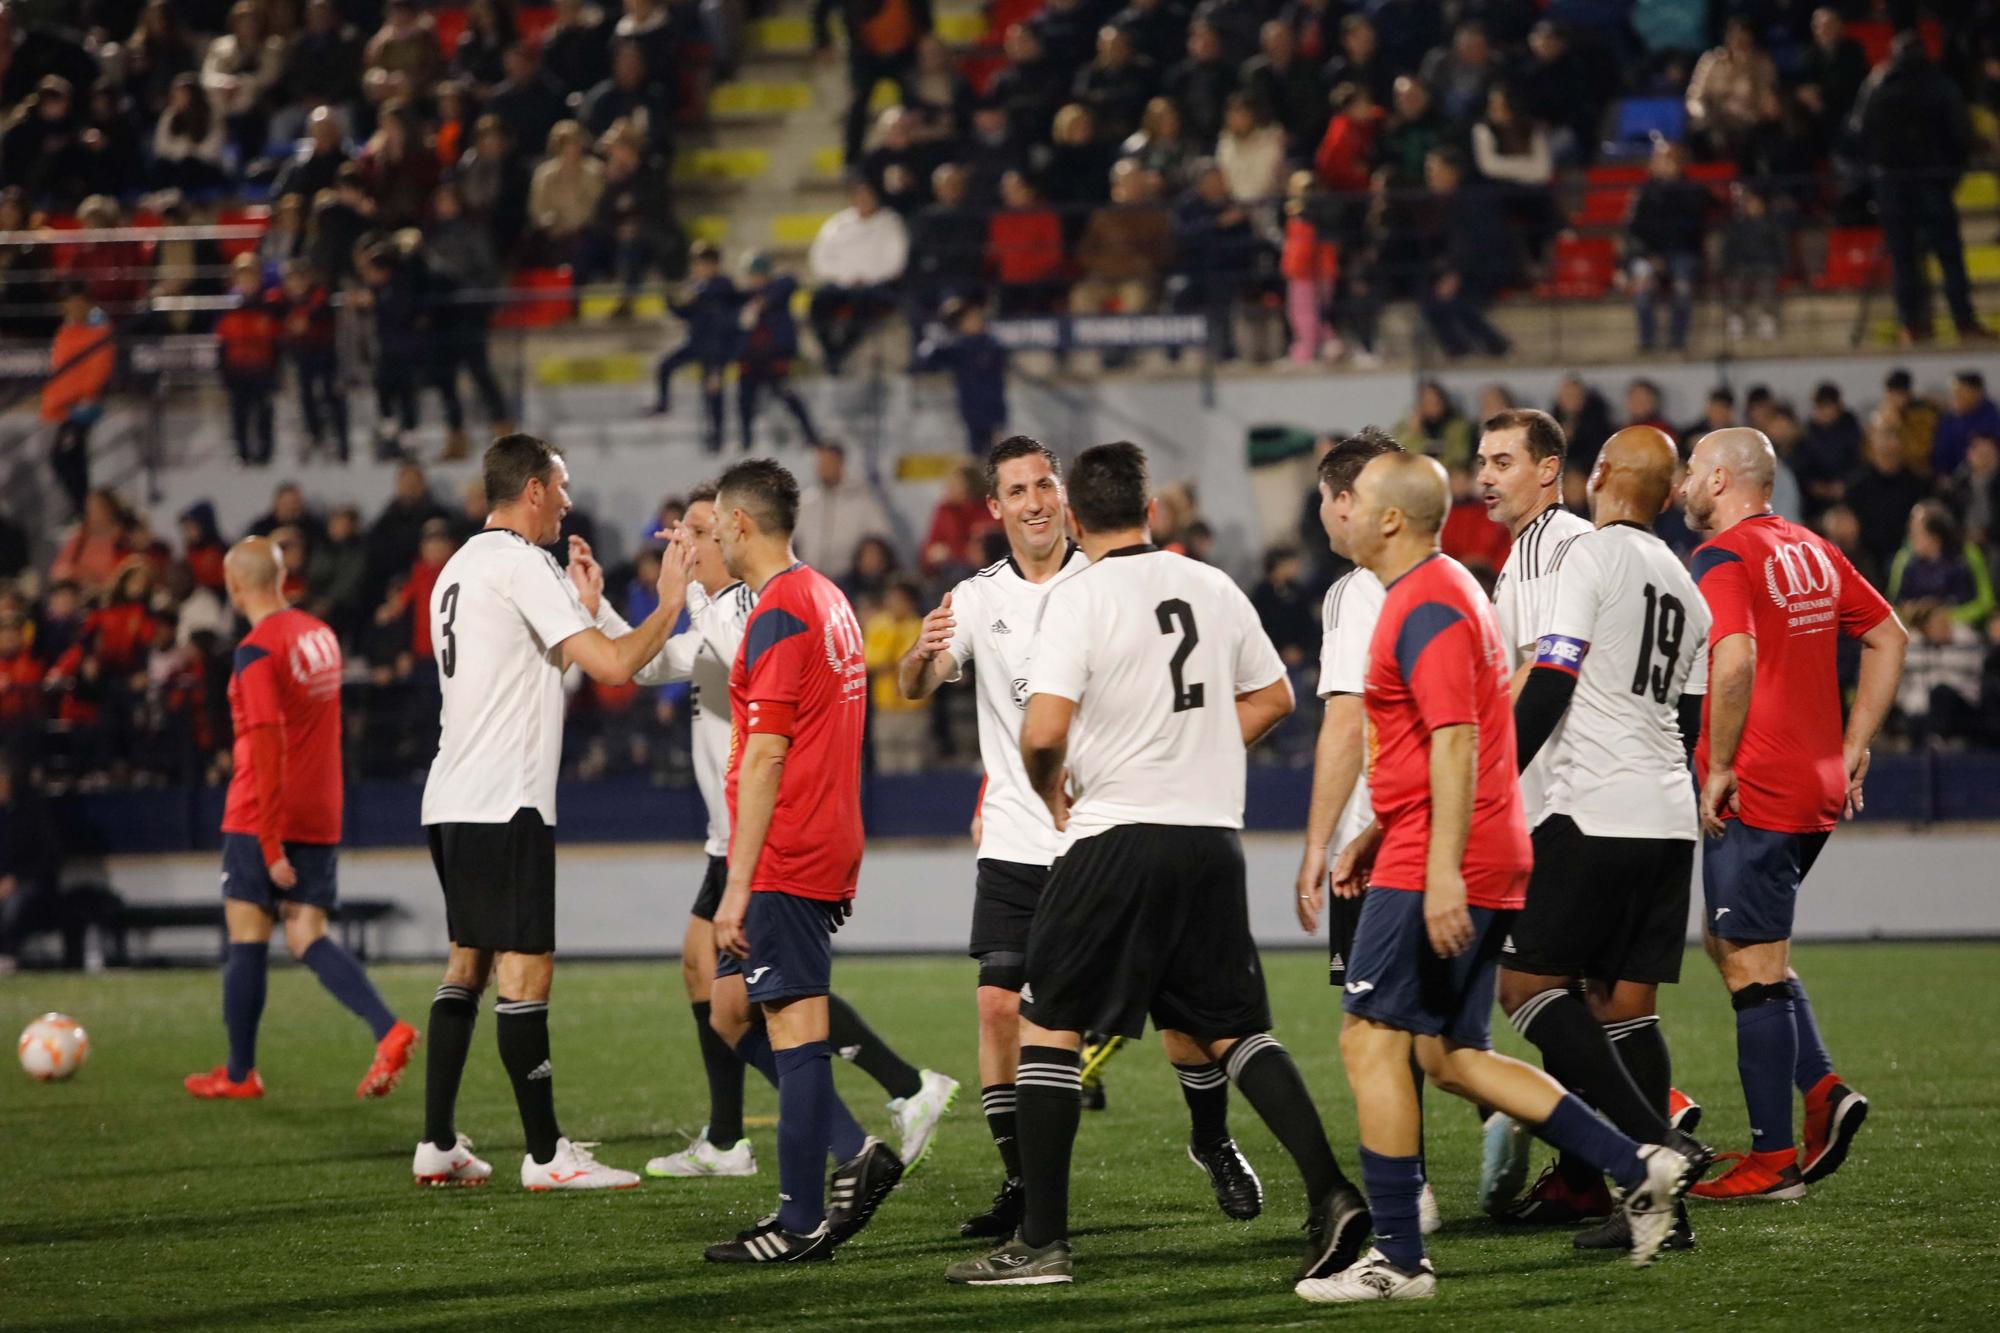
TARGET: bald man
(1622,667)
(281,826)
(1777,772)
(1445,865)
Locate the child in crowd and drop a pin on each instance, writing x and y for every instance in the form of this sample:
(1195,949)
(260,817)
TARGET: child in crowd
(1754,250)
(770,344)
(1311,265)
(709,309)
(900,727)
(248,336)
(308,338)
(978,365)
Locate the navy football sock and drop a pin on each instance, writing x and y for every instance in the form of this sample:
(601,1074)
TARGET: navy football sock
(446,1044)
(1392,1185)
(1575,1128)
(243,981)
(805,1126)
(1265,1074)
(342,975)
(846,1137)
(1767,1055)
(856,1041)
(999,1101)
(1814,1062)
(1206,1089)
(523,1030)
(1050,1090)
(725,1081)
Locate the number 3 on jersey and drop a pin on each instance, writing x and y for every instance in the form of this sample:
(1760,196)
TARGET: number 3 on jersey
(1186,695)
(448,605)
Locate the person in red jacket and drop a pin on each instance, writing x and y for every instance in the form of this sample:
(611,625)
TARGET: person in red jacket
(248,335)
(81,361)
(306,334)
(21,673)
(1342,159)
(1024,248)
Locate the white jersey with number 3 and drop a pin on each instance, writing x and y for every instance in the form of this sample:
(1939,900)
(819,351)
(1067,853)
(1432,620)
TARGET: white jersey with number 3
(499,614)
(994,614)
(1154,648)
(1630,623)
(1524,597)
(1347,622)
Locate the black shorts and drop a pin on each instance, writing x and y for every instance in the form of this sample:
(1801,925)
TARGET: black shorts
(1603,909)
(499,883)
(1342,916)
(1147,919)
(1003,906)
(713,882)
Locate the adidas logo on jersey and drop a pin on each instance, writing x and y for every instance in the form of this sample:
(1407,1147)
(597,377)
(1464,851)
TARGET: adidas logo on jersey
(1000,627)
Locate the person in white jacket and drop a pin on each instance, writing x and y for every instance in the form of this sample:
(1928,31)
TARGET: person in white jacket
(857,260)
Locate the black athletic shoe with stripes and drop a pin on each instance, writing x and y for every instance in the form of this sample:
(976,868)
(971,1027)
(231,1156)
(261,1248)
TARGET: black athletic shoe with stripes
(859,1186)
(1336,1229)
(1238,1192)
(1003,1219)
(769,1243)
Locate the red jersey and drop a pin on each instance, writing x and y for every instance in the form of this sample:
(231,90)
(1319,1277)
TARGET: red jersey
(1436,660)
(248,338)
(1794,594)
(287,675)
(799,672)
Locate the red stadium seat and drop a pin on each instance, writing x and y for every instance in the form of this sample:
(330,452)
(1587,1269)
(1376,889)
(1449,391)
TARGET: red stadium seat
(542,298)
(258,215)
(1855,260)
(1609,174)
(1875,35)
(1581,268)
(1603,207)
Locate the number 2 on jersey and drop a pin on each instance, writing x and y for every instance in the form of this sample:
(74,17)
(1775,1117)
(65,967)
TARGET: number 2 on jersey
(1665,619)
(448,604)
(1186,695)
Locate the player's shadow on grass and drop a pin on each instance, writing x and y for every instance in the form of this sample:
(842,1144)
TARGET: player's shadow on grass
(181,1226)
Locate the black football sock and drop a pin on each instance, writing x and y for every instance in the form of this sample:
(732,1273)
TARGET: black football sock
(1050,1093)
(999,1101)
(524,1049)
(1642,1049)
(1578,1054)
(1206,1089)
(725,1081)
(847,1034)
(446,1044)
(1263,1072)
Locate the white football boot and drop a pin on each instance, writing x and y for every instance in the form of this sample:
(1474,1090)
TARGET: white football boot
(449,1166)
(702,1158)
(573,1168)
(1371,1278)
(916,1116)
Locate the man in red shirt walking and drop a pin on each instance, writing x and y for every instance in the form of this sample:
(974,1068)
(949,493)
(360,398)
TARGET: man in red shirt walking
(798,701)
(281,826)
(247,338)
(1445,865)
(1777,773)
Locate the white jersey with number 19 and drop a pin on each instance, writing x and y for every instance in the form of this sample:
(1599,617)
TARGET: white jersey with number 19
(1630,624)
(1153,648)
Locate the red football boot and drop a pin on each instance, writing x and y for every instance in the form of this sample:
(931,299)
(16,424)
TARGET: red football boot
(1756,1175)
(1683,1112)
(392,1053)
(216,1085)
(1554,1202)
(1834,1113)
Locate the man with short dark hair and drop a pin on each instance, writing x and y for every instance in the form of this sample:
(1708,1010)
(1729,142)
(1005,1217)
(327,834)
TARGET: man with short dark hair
(505,624)
(798,700)
(1972,414)
(1157,665)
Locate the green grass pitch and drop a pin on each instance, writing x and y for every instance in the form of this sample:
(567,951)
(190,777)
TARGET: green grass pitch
(129,1206)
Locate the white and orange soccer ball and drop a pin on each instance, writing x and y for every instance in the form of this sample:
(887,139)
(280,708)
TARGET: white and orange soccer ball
(53,1047)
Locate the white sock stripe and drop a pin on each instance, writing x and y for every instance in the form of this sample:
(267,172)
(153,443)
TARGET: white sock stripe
(1620,1031)
(452,992)
(1070,1084)
(1243,1052)
(996,1101)
(1207,1076)
(522,1007)
(1072,1070)
(1537,1002)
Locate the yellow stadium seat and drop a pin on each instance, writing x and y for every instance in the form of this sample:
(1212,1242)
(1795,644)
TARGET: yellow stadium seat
(829,163)
(601,305)
(758,98)
(782,36)
(617,368)
(795,231)
(711,227)
(1982,263)
(886,95)
(1978,192)
(722,166)
(961,29)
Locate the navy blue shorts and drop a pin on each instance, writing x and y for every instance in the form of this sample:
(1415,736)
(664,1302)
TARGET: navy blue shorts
(1750,880)
(1395,978)
(791,948)
(246,879)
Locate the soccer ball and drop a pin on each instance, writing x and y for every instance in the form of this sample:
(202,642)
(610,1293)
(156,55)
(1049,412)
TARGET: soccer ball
(53,1047)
